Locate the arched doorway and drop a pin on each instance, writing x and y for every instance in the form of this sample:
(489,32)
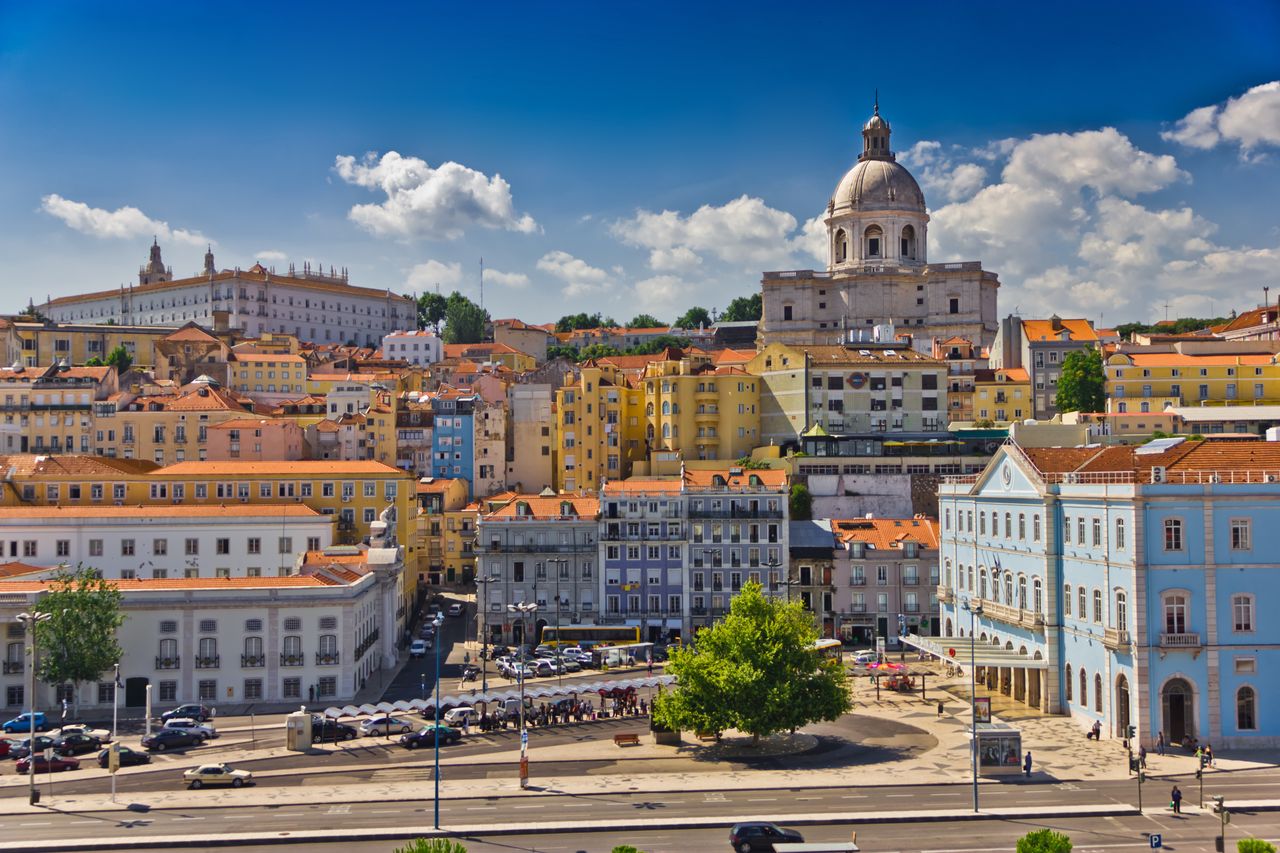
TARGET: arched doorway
(1122,707)
(517,633)
(537,633)
(1033,683)
(949,627)
(1178,710)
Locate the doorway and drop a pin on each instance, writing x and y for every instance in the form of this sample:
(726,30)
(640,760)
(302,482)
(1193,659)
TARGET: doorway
(1178,711)
(135,692)
(1122,707)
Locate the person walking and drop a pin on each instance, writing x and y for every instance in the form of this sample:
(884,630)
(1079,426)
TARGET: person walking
(940,709)
(1142,757)
(1175,800)
(1200,757)
(1096,731)
(1160,743)
(1026,764)
(1208,755)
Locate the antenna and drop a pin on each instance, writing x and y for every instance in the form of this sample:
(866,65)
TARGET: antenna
(1166,311)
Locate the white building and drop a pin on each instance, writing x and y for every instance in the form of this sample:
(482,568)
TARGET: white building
(314,306)
(420,348)
(236,540)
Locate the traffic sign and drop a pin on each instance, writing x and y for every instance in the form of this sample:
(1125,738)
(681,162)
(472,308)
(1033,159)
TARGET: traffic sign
(951,652)
(524,738)
(113,757)
(1156,841)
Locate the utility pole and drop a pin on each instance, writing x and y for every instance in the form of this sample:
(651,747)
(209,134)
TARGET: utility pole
(1224,818)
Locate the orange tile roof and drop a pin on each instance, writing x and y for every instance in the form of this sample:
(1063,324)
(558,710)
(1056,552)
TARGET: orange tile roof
(1042,330)
(1058,460)
(732,356)
(32,465)
(97,374)
(883,534)
(160,584)
(15,569)
(141,511)
(1174,359)
(297,468)
(770,478)
(1249,319)
(643,485)
(547,507)
(250,357)
(254,423)
(1013,374)
(827,355)
(191,333)
(436,486)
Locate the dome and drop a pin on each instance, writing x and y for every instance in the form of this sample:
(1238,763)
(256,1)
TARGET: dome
(876,123)
(874,184)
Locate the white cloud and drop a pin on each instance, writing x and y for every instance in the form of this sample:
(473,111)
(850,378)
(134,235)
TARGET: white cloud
(270,255)
(122,223)
(661,293)
(579,277)
(677,259)
(426,276)
(745,232)
(1102,160)
(940,174)
(506,279)
(1250,120)
(431,202)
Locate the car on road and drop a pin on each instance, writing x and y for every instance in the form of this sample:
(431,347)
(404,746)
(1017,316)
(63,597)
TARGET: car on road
(22,723)
(462,713)
(326,729)
(455,609)
(103,735)
(128,757)
(6,749)
(197,712)
(20,748)
(163,739)
(567,664)
(495,652)
(76,744)
(761,836)
(864,657)
(216,774)
(427,631)
(427,735)
(205,730)
(55,764)
(418,648)
(385,725)
(574,653)
(546,666)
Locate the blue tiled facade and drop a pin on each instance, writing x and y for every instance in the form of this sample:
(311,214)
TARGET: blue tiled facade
(453,439)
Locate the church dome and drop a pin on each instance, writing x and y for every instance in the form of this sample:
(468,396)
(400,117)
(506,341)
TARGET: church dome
(876,184)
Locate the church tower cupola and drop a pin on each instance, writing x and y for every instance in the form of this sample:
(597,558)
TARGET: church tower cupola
(875,137)
(155,271)
(209,268)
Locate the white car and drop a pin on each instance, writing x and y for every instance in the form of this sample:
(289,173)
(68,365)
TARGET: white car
(103,735)
(216,774)
(384,725)
(457,716)
(418,648)
(574,653)
(205,730)
(455,609)
(864,657)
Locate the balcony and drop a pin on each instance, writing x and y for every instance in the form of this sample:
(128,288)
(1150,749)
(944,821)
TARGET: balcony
(291,660)
(945,594)
(327,659)
(698,611)
(1116,639)
(1180,640)
(253,661)
(168,663)
(858,581)
(12,667)
(737,512)
(540,548)
(208,662)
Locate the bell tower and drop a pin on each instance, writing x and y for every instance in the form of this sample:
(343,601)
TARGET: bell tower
(155,271)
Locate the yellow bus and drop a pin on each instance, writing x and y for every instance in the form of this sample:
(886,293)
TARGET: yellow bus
(829,649)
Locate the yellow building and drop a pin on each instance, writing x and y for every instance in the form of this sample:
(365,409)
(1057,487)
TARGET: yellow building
(460,531)
(164,429)
(1144,381)
(598,428)
(699,411)
(261,373)
(492,353)
(51,410)
(1002,395)
(42,344)
(437,496)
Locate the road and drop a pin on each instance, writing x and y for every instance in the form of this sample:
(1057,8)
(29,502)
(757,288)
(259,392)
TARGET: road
(418,677)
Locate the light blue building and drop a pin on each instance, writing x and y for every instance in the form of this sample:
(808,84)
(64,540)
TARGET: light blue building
(1122,585)
(453,446)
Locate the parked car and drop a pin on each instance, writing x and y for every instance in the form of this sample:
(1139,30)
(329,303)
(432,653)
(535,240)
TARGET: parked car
(216,774)
(751,837)
(456,716)
(455,609)
(427,631)
(545,666)
(426,736)
(163,739)
(20,749)
(326,729)
(418,648)
(6,749)
(22,723)
(570,665)
(197,712)
(865,657)
(205,730)
(76,744)
(103,735)
(43,765)
(574,653)
(385,725)
(495,652)
(659,653)
(128,757)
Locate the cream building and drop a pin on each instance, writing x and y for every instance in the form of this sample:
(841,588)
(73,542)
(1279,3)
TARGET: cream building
(877,266)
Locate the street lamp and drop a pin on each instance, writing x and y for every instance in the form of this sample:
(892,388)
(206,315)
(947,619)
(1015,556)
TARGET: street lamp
(524,609)
(484,631)
(773,566)
(975,610)
(559,563)
(439,623)
(29,621)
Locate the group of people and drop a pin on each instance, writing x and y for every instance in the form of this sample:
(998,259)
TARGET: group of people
(563,712)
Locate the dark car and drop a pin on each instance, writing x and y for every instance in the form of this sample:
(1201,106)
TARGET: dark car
(426,736)
(128,757)
(751,837)
(171,739)
(56,763)
(325,729)
(195,711)
(76,744)
(19,749)
(495,652)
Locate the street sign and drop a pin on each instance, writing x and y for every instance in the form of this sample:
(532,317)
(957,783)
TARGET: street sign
(951,652)
(1156,841)
(113,757)
(524,738)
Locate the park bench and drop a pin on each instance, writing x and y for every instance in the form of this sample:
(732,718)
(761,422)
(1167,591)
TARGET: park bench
(624,739)
(708,736)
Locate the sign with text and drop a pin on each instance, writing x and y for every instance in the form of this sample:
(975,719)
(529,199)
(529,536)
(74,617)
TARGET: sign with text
(1156,841)
(982,709)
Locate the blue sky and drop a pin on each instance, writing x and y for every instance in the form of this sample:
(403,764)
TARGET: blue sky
(640,156)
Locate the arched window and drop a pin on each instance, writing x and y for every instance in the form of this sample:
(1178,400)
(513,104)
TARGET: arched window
(1175,614)
(842,246)
(1066,599)
(648,410)
(1008,526)
(1037,596)
(946,574)
(1097,606)
(252,651)
(1008,588)
(328,645)
(873,241)
(1022,527)
(1246,709)
(1022,592)
(1242,612)
(1081,599)
(648,432)
(908,242)
(1068,682)
(982,584)
(168,653)
(1097,693)
(1084,688)
(666,407)
(666,430)
(1122,610)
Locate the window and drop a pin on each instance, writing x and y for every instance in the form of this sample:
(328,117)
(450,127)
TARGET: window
(63,548)
(1097,693)
(1240,538)
(286,544)
(255,545)
(168,691)
(1175,614)
(1097,532)
(1035,528)
(293,623)
(1068,682)
(1097,606)
(1022,527)
(1066,530)
(326,686)
(253,689)
(291,688)
(1066,599)
(1084,688)
(1242,612)
(1080,531)
(1119,534)
(1173,534)
(1246,709)
(192,547)
(1081,599)
(1122,611)
(126,547)
(222,546)
(95,547)
(1037,593)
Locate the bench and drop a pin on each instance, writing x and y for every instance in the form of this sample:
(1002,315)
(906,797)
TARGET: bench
(624,739)
(708,736)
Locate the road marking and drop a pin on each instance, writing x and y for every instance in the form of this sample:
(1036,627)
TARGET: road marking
(186,817)
(344,808)
(764,800)
(808,798)
(482,808)
(576,806)
(385,811)
(899,796)
(238,817)
(40,823)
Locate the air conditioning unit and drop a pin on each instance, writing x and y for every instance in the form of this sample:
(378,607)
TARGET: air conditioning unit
(1157,474)
(1272,478)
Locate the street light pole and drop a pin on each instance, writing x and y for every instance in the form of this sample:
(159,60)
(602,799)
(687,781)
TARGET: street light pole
(484,631)
(975,610)
(524,609)
(439,623)
(561,562)
(29,621)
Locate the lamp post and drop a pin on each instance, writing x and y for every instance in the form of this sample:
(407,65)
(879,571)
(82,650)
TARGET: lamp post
(559,563)
(484,631)
(524,609)
(975,610)
(29,621)
(439,623)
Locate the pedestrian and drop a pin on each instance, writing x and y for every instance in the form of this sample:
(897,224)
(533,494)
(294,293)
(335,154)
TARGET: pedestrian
(1096,731)
(1200,757)
(1142,757)
(940,709)
(1208,755)
(1175,800)
(1160,743)
(1026,764)
(466,725)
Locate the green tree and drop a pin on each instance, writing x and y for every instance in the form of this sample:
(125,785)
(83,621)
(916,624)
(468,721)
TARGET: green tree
(582,320)
(751,463)
(801,502)
(755,671)
(431,310)
(95,362)
(1254,845)
(78,641)
(626,848)
(556,351)
(1081,387)
(644,321)
(657,344)
(743,308)
(598,351)
(1044,841)
(432,845)
(694,317)
(120,359)
(464,321)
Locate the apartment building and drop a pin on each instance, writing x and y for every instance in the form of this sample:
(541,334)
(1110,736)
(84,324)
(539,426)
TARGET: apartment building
(51,410)
(1002,395)
(701,411)
(643,550)
(41,344)
(421,347)
(165,428)
(1216,373)
(1040,347)
(255,440)
(964,360)
(597,429)
(886,578)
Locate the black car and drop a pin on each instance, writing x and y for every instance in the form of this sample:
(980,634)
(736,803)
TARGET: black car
(325,729)
(751,837)
(426,736)
(171,739)
(495,652)
(128,757)
(76,744)
(194,711)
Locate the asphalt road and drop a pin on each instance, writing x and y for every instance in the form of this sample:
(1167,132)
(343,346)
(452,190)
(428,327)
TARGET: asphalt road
(418,677)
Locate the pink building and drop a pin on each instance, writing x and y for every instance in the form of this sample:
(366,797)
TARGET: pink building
(256,440)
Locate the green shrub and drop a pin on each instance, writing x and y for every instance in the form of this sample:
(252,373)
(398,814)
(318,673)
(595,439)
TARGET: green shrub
(432,845)
(626,848)
(1044,841)
(1254,845)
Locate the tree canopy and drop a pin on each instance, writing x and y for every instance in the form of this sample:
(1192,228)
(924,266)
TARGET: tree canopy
(743,308)
(582,320)
(78,641)
(693,318)
(464,321)
(431,310)
(755,671)
(1180,326)
(1082,386)
(645,321)
(120,359)
(801,502)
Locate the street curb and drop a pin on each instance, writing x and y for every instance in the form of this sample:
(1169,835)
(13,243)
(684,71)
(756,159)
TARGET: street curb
(400,834)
